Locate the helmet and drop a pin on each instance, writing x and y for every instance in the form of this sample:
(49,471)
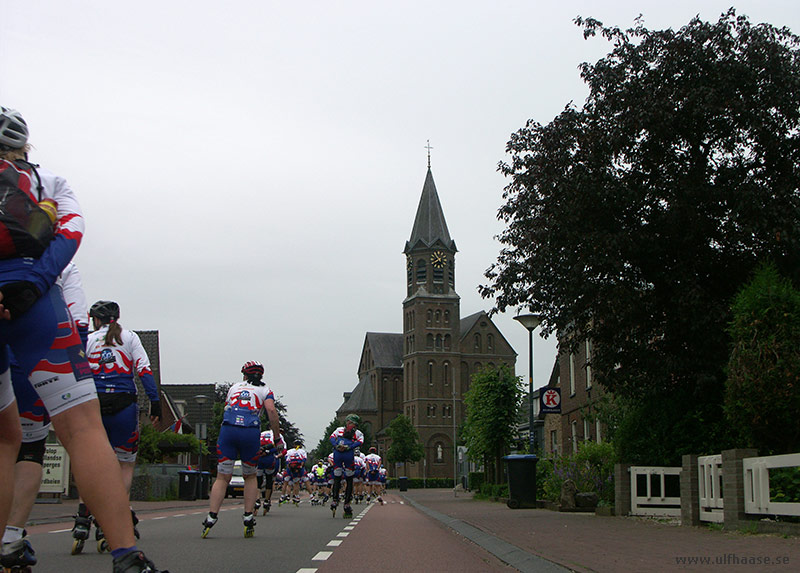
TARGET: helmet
(13,129)
(105,310)
(353,418)
(253,368)
(373,450)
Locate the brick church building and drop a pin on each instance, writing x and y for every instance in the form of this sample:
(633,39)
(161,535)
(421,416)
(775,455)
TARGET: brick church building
(424,371)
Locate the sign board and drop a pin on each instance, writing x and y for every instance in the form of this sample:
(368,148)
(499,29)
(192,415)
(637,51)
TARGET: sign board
(55,470)
(550,400)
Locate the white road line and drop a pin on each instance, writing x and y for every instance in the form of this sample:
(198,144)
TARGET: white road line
(342,534)
(322,556)
(161,517)
(349,528)
(307,570)
(179,515)
(60,531)
(334,543)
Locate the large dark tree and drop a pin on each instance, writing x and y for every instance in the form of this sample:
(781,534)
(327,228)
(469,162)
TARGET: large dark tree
(635,219)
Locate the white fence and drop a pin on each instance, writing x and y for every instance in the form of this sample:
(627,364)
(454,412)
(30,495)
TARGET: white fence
(756,485)
(649,485)
(709,477)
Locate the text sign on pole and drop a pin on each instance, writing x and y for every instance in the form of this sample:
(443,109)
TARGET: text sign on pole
(55,470)
(550,400)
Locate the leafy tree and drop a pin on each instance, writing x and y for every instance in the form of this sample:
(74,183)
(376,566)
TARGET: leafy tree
(324,447)
(405,446)
(634,220)
(763,387)
(491,403)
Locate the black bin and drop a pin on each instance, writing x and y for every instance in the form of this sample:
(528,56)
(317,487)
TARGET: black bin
(402,483)
(203,485)
(521,480)
(188,482)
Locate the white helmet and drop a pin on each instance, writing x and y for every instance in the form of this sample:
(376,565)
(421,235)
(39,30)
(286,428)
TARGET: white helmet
(13,129)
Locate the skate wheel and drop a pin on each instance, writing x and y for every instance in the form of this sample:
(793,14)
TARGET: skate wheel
(102,545)
(248,532)
(205,531)
(77,546)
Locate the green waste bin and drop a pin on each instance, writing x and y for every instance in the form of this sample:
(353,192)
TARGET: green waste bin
(402,483)
(188,484)
(521,480)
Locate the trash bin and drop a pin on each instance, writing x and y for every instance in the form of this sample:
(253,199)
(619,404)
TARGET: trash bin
(188,484)
(204,485)
(521,480)
(402,483)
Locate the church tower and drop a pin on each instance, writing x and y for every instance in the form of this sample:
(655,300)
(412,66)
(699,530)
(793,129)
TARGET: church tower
(431,332)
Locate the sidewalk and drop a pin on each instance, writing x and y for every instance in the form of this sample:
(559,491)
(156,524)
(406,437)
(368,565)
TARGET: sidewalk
(587,543)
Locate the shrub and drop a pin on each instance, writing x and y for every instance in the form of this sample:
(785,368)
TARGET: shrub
(592,470)
(476,480)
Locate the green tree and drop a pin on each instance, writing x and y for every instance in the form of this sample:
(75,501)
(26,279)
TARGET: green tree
(634,220)
(154,444)
(324,447)
(405,446)
(491,403)
(763,387)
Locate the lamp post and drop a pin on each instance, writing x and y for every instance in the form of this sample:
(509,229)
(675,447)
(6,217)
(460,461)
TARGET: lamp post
(201,400)
(530,322)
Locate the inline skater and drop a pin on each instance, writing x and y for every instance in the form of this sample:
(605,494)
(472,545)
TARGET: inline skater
(240,438)
(374,463)
(345,439)
(35,324)
(318,477)
(115,354)
(359,476)
(296,470)
(268,464)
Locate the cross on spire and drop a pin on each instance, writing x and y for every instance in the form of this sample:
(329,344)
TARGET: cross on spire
(428,147)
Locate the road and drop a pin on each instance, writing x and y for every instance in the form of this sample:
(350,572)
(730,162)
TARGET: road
(290,539)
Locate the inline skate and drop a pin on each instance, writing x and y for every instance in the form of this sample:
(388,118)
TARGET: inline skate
(348,511)
(18,556)
(249,521)
(208,523)
(135,562)
(80,532)
(102,544)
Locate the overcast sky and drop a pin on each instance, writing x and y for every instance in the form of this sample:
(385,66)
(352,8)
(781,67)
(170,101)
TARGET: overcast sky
(250,171)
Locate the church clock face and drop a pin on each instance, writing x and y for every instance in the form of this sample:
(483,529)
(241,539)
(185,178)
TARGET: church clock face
(438,259)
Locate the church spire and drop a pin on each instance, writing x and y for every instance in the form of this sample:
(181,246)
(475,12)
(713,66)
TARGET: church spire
(429,224)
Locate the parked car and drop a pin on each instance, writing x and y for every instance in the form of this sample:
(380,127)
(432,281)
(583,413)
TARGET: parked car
(236,485)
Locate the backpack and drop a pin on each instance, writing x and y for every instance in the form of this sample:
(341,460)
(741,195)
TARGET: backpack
(25,228)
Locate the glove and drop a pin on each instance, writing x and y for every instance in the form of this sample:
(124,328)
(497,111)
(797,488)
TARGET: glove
(19,297)
(155,409)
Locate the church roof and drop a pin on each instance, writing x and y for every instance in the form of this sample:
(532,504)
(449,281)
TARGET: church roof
(362,399)
(386,348)
(466,323)
(429,224)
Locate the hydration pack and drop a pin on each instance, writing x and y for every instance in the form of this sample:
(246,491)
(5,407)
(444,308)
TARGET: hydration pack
(25,228)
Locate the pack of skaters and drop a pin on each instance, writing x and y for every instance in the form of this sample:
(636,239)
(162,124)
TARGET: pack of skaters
(268,467)
(35,420)
(35,324)
(240,438)
(115,354)
(345,440)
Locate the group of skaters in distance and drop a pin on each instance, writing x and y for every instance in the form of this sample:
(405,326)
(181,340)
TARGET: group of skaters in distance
(267,464)
(53,372)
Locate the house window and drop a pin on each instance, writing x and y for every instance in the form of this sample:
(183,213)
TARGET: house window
(588,365)
(571,374)
(574,427)
(587,430)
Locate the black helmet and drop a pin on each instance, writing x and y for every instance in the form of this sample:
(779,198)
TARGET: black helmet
(13,129)
(105,310)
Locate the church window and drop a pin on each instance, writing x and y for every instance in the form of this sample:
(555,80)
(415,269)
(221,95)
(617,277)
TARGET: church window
(422,271)
(447,342)
(410,274)
(477,344)
(490,343)
(446,373)
(438,275)
(438,342)
(429,342)
(430,373)
(433,410)
(438,317)
(451,273)
(447,318)
(429,318)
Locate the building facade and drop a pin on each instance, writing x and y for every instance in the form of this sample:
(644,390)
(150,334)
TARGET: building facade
(424,371)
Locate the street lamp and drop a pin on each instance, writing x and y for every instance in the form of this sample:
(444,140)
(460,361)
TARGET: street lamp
(530,322)
(201,400)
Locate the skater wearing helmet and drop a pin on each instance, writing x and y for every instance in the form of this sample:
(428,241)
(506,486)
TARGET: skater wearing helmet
(115,355)
(240,438)
(374,464)
(345,439)
(40,236)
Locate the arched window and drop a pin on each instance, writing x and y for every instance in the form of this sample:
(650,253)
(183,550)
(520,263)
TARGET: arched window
(422,271)
(446,373)
(447,318)
(428,318)
(429,342)
(477,344)
(438,317)
(438,342)
(430,373)
(447,342)
(433,410)
(490,342)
